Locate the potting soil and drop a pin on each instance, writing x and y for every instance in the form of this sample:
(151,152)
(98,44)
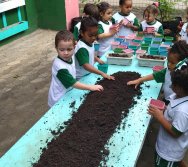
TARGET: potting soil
(82,142)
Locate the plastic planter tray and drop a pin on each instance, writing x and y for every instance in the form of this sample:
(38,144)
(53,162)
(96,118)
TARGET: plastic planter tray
(163,52)
(96,46)
(119,39)
(144,46)
(103,67)
(119,60)
(149,62)
(157,40)
(157,103)
(169,39)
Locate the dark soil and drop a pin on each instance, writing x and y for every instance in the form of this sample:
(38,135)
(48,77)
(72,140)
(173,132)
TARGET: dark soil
(82,143)
(152,57)
(118,55)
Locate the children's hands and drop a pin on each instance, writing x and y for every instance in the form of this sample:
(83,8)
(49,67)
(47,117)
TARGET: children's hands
(129,25)
(155,112)
(96,88)
(113,31)
(107,76)
(135,82)
(100,61)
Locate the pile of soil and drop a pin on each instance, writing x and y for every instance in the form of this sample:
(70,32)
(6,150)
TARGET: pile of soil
(153,57)
(82,143)
(119,55)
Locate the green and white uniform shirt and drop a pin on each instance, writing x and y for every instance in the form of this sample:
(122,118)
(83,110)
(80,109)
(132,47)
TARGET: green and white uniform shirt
(183,33)
(164,76)
(174,148)
(76,32)
(84,54)
(156,24)
(105,43)
(124,31)
(63,77)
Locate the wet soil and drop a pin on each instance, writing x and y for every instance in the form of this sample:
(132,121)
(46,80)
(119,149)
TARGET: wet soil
(82,143)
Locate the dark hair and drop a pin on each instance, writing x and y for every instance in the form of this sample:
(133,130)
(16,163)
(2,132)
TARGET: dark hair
(64,35)
(103,7)
(151,9)
(180,48)
(121,2)
(179,77)
(91,10)
(88,22)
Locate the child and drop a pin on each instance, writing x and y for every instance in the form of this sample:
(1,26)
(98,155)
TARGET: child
(172,140)
(177,53)
(84,51)
(125,14)
(184,31)
(89,10)
(63,69)
(106,32)
(150,14)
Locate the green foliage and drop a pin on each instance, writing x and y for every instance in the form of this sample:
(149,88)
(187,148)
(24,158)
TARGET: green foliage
(86,1)
(166,9)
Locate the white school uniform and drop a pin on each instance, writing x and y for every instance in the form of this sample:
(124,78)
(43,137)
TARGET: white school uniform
(57,89)
(168,147)
(80,71)
(105,43)
(183,33)
(124,31)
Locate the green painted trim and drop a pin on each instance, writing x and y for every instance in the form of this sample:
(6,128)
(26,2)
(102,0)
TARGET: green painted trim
(4,19)
(13,29)
(19,15)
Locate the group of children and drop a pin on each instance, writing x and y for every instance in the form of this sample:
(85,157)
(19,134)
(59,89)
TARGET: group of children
(76,58)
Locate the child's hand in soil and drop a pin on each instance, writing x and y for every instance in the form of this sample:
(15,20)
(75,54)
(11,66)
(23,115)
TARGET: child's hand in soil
(135,82)
(155,112)
(107,76)
(96,88)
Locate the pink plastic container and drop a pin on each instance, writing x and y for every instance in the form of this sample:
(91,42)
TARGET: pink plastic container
(115,26)
(141,52)
(125,21)
(115,45)
(129,52)
(150,30)
(122,46)
(134,44)
(157,103)
(157,68)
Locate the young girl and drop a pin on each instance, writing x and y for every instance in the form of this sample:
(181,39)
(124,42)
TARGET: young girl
(127,20)
(89,10)
(63,69)
(183,35)
(177,53)
(172,140)
(106,32)
(84,51)
(150,26)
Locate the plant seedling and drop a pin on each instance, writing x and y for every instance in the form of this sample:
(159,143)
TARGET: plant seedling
(157,103)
